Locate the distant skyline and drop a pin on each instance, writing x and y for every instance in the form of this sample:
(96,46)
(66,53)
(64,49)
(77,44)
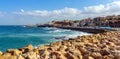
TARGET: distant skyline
(23,12)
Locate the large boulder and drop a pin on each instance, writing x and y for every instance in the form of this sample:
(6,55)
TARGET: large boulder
(12,57)
(31,55)
(8,56)
(96,55)
(27,48)
(1,53)
(2,57)
(30,47)
(44,54)
(70,56)
(20,57)
(56,55)
(14,51)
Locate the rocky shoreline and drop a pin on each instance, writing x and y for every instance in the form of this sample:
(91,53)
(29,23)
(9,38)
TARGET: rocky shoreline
(97,46)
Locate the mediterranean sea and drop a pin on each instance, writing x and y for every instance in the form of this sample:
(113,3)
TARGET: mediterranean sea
(13,37)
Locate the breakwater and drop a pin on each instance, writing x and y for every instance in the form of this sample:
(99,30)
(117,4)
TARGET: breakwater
(84,29)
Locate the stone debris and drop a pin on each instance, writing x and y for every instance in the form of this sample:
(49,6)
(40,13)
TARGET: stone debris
(97,46)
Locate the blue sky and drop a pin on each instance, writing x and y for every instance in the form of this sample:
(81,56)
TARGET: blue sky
(18,12)
(16,5)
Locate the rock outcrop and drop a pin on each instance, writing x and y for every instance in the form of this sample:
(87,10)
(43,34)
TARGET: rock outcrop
(98,46)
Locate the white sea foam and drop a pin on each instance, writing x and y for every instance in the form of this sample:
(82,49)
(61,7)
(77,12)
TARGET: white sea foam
(49,28)
(58,31)
(55,31)
(73,34)
(25,35)
(12,36)
(35,36)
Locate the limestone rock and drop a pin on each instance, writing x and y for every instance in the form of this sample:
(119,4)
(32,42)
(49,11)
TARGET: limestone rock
(96,55)
(44,54)
(70,56)
(20,57)
(97,46)
(28,48)
(2,57)
(1,53)
(104,52)
(62,48)
(31,55)
(56,55)
(90,57)
(9,56)
(43,47)
(14,51)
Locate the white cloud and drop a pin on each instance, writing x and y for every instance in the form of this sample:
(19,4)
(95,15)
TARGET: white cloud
(22,10)
(94,9)
(114,6)
(65,12)
(2,14)
(110,8)
(98,10)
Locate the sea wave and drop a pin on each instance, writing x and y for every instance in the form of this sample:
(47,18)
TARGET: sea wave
(73,34)
(76,34)
(24,35)
(58,31)
(49,28)
(52,33)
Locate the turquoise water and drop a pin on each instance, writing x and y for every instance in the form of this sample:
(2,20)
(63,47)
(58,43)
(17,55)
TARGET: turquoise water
(20,36)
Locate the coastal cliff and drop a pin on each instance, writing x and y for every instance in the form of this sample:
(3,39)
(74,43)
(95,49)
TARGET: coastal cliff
(97,46)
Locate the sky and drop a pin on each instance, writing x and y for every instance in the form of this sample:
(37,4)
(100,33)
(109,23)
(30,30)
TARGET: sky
(28,12)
